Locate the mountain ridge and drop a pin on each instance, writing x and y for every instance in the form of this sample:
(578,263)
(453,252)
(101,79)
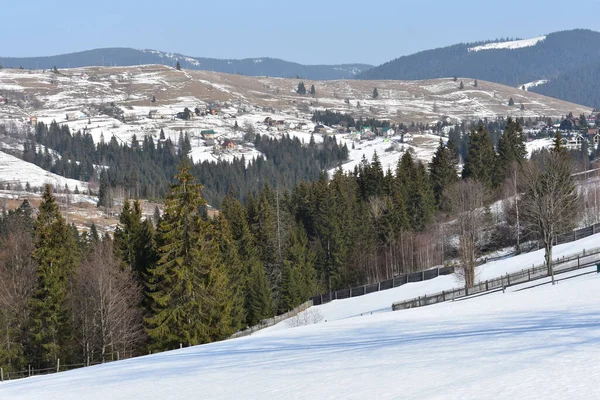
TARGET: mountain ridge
(510,63)
(124,56)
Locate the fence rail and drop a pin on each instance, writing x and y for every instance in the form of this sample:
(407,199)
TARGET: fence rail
(434,273)
(566,264)
(272,321)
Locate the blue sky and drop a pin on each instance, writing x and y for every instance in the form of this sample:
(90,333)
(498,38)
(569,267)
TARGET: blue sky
(308,31)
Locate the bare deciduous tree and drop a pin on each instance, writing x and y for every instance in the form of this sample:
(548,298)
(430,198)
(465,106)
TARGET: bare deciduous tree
(467,199)
(549,205)
(107,307)
(17,281)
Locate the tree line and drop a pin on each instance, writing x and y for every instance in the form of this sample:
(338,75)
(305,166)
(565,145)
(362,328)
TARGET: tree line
(183,279)
(145,167)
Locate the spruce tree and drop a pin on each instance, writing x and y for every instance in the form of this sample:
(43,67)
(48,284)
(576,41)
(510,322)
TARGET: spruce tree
(56,255)
(312,90)
(443,171)
(301,88)
(260,299)
(178,66)
(479,163)
(188,285)
(375,93)
(511,150)
(236,271)
(299,280)
(127,233)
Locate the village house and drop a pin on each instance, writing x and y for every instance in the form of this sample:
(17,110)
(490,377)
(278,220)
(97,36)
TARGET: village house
(130,117)
(207,134)
(320,129)
(153,114)
(228,144)
(73,116)
(33,120)
(2,101)
(407,137)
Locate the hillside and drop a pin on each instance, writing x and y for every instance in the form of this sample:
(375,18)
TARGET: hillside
(117,102)
(531,344)
(260,66)
(580,85)
(511,63)
(53,94)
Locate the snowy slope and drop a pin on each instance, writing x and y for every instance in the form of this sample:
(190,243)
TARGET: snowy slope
(510,45)
(382,301)
(14,170)
(538,343)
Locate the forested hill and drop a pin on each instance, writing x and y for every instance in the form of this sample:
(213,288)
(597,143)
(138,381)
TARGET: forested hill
(128,57)
(513,63)
(581,86)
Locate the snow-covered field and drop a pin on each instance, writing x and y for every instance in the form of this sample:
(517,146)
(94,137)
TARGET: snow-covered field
(541,343)
(14,170)
(510,45)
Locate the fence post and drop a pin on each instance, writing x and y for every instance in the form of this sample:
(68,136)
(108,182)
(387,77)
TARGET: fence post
(379,285)
(508,279)
(1,375)
(486,286)
(443,294)
(29,370)
(57,364)
(577,261)
(422,275)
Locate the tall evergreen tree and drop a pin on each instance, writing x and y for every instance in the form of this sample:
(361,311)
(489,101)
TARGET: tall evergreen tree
(511,150)
(375,93)
(299,281)
(56,254)
(188,286)
(479,164)
(443,170)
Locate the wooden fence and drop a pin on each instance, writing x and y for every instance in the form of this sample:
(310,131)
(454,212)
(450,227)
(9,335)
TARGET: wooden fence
(272,321)
(434,273)
(577,261)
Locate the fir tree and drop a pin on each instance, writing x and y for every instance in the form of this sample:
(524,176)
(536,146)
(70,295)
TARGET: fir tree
(461,86)
(479,163)
(56,255)
(301,88)
(188,286)
(511,102)
(443,171)
(511,150)
(299,281)
(558,146)
(312,90)
(104,193)
(375,93)
(178,66)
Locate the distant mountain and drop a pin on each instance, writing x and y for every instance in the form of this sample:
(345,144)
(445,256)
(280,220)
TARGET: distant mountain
(127,57)
(510,62)
(581,86)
